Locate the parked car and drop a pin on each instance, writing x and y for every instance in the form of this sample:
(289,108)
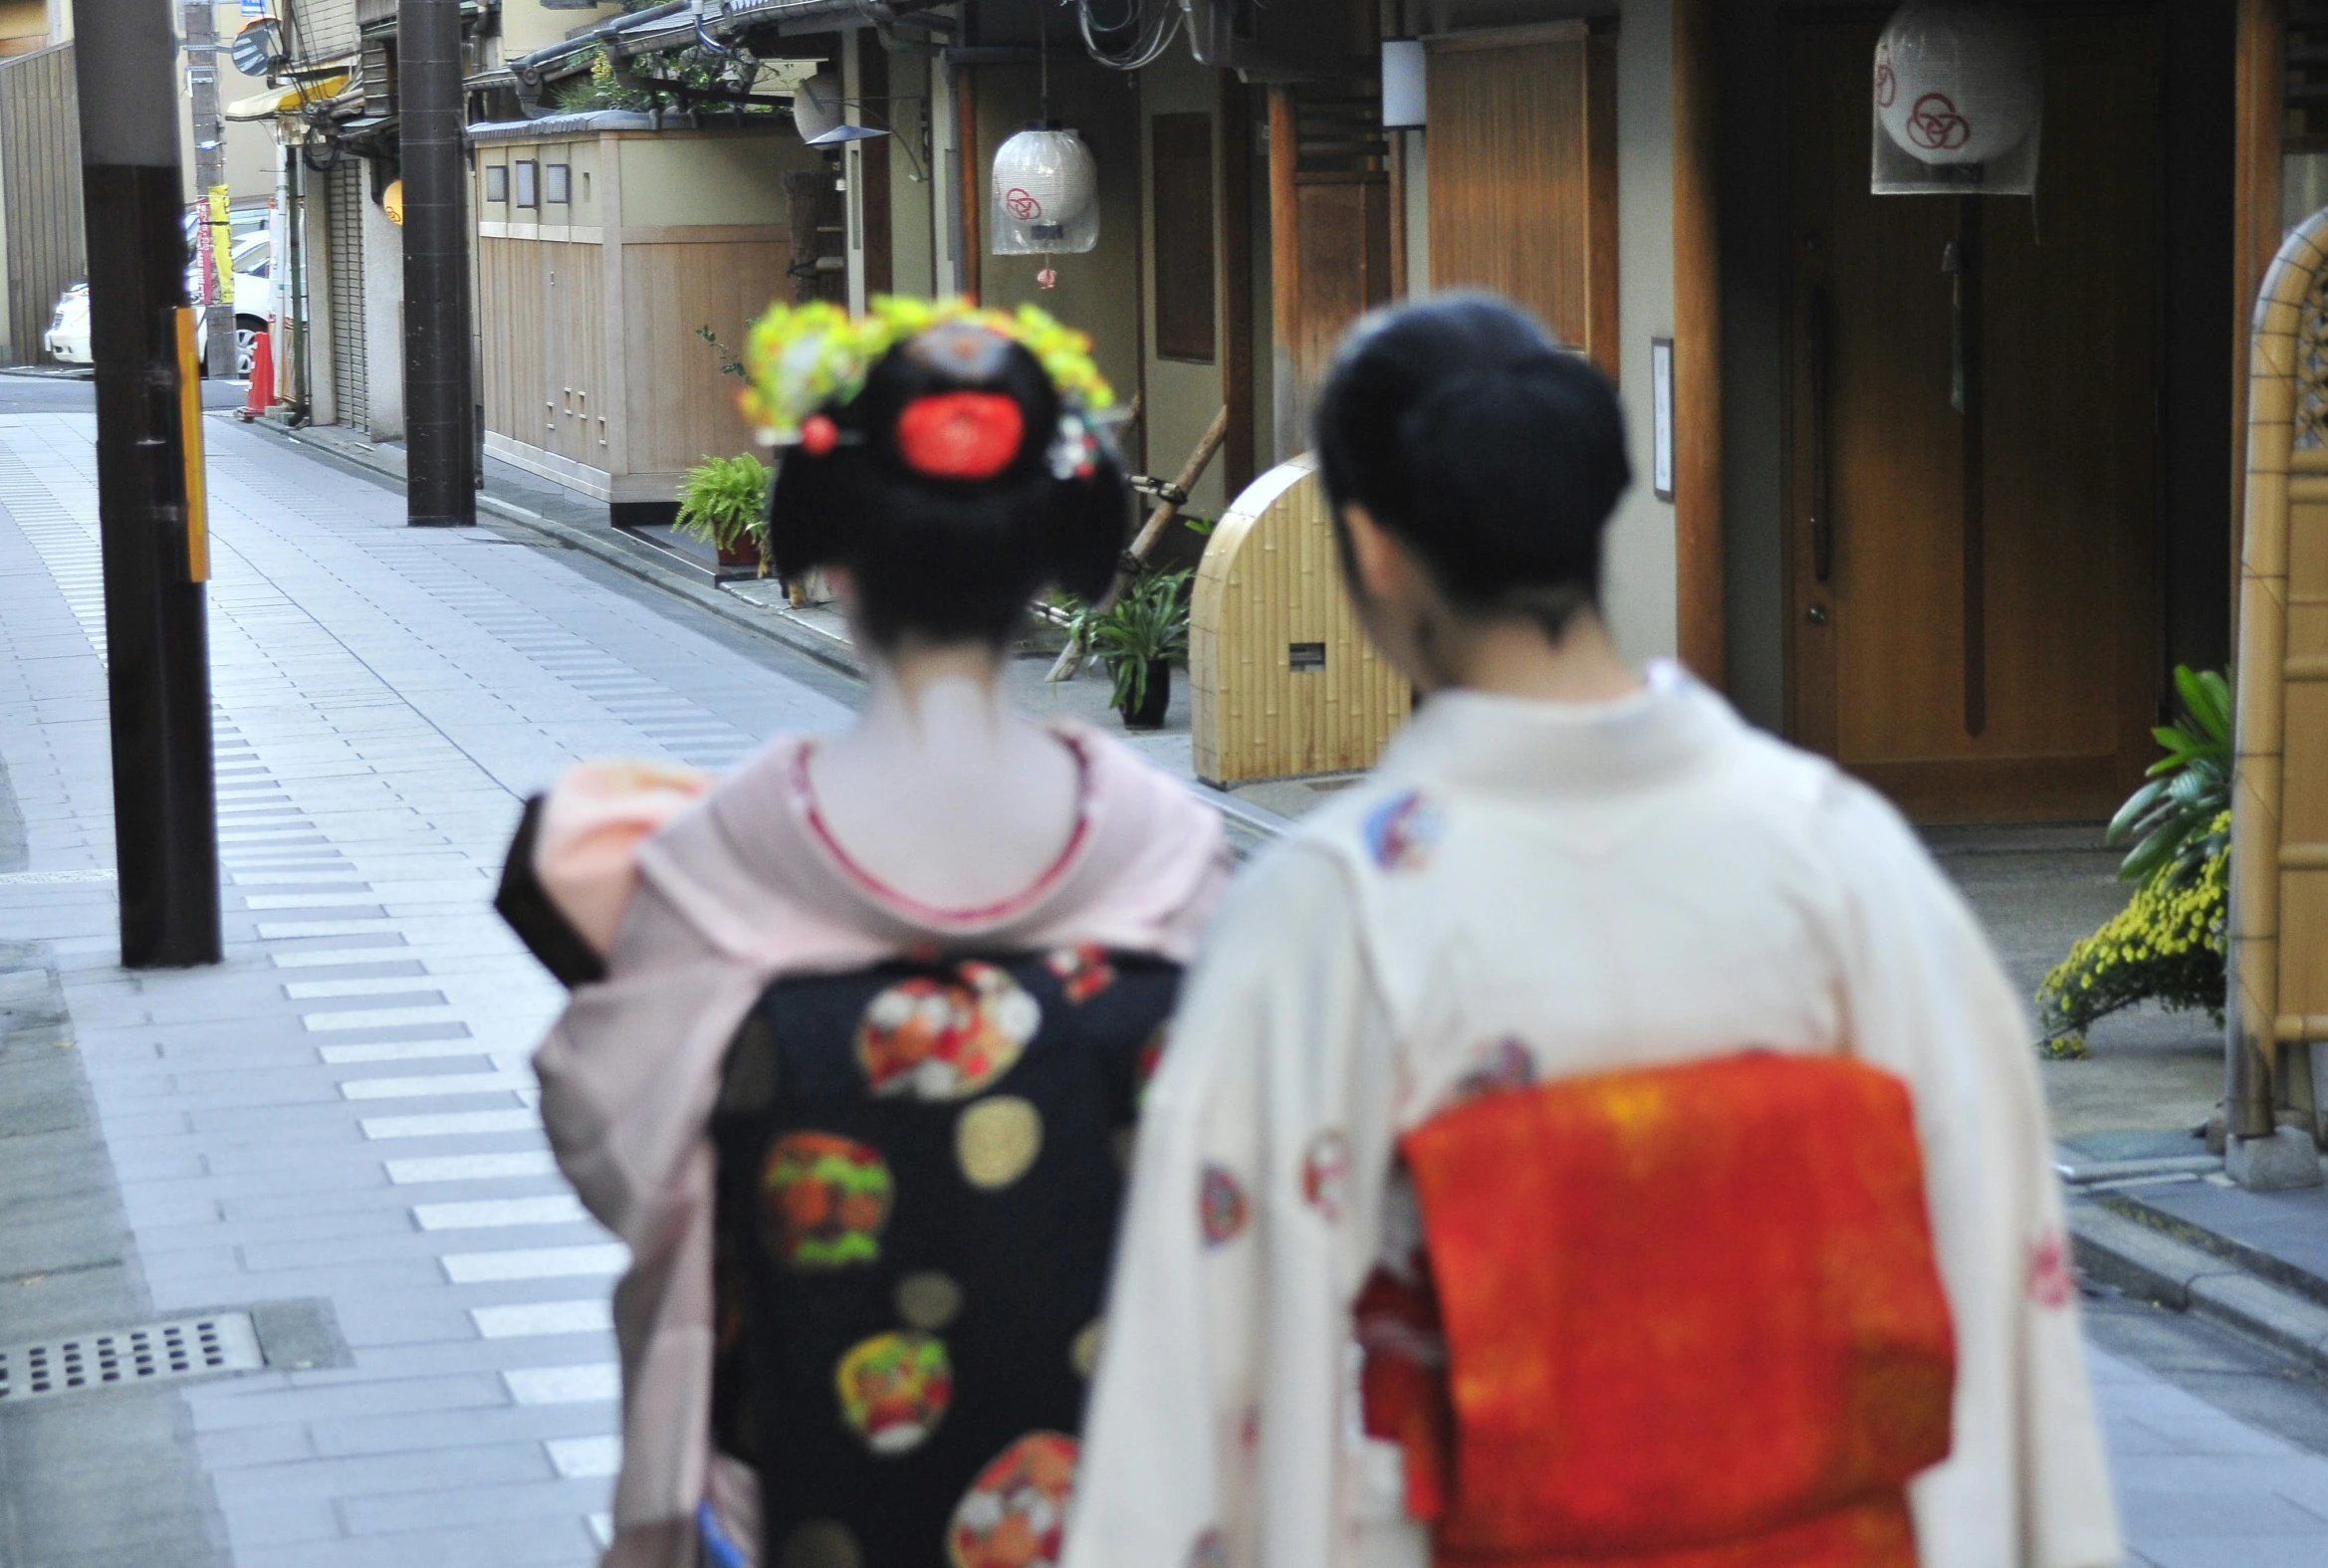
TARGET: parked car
(67,339)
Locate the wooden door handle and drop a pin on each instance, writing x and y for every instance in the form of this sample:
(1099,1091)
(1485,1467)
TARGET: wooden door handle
(1819,347)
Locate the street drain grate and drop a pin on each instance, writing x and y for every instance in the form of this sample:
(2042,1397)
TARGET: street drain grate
(151,1353)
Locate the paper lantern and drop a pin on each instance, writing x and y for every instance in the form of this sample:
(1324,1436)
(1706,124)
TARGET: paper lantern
(1958,81)
(1045,194)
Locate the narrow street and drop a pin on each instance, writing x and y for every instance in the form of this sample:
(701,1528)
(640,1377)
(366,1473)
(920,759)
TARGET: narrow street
(335,1131)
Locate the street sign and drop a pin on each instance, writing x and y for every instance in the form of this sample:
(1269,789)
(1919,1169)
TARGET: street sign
(258,47)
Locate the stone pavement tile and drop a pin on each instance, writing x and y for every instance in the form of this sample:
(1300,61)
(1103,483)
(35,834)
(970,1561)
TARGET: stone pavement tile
(500,1544)
(444,1432)
(473,1506)
(410,1470)
(2157,1517)
(370,1396)
(2243,1551)
(284,1521)
(271,1441)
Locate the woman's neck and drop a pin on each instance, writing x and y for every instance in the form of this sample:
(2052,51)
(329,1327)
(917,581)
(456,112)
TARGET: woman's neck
(940,790)
(1515,658)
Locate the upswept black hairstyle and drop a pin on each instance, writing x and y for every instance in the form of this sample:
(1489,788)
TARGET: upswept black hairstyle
(952,561)
(1492,453)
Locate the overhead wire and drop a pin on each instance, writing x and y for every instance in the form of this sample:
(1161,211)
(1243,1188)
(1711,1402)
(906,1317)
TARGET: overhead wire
(1153,25)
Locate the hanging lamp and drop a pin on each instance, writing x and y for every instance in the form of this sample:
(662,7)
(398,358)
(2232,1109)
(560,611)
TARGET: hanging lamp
(1045,194)
(1959,94)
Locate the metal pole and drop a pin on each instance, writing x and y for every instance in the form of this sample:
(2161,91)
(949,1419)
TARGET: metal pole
(210,179)
(439,454)
(150,496)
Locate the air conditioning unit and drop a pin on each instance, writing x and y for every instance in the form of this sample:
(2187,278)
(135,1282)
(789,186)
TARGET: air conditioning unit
(1276,40)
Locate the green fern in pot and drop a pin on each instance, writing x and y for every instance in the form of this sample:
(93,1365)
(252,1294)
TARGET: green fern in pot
(724,503)
(1137,639)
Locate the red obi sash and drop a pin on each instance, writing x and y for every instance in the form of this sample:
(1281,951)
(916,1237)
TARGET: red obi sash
(1691,1319)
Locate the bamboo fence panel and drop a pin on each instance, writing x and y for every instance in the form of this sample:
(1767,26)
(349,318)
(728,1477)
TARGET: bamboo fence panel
(1269,590)
(2278,932)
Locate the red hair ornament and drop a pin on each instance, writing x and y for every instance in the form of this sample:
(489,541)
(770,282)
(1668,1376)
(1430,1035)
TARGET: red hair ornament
(819,435)
(960,435)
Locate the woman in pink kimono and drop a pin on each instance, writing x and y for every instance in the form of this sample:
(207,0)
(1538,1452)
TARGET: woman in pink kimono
(858,1031)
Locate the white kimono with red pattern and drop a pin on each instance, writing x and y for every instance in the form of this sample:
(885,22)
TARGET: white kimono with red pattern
(1529,889)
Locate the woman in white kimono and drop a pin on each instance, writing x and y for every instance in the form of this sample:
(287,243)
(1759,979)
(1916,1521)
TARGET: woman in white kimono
(1568,886)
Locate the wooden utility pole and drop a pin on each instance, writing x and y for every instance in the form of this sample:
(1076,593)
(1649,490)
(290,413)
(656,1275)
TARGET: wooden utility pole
(150,500)
(440,438)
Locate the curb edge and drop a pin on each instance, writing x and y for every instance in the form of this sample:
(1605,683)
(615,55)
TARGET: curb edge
(2153,1266)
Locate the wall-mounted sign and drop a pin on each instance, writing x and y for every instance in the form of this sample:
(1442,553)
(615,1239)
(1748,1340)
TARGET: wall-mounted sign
(258,46)
(1661,417)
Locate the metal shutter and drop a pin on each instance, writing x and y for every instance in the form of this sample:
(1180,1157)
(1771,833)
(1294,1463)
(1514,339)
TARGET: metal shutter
(344,190)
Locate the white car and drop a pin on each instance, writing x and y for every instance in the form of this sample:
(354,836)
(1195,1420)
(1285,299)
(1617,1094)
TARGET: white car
(67,339)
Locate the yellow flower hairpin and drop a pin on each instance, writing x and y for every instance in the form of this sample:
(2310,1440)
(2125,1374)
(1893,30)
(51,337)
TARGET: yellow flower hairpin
(803,356)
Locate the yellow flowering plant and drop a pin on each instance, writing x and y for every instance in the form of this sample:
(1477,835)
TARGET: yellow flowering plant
(802,357)
(2166,945)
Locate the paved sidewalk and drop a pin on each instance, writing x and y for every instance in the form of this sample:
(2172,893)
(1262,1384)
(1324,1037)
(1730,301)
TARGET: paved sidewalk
(343,1110)
(341,1113)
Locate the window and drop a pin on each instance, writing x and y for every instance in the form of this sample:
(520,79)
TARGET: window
(525,193)
(556,183)
(1181,156)
(496,182)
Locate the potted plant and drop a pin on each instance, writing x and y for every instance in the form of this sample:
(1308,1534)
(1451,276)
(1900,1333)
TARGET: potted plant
(1137,638)
(724,503)
(2167,945)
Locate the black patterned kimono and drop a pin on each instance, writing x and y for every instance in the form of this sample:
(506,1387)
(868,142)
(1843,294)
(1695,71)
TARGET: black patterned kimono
(920,1168)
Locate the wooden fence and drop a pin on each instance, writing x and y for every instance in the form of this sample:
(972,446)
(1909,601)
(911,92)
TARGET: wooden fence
(40,192)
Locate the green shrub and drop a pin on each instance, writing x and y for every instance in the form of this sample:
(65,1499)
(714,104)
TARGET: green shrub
(724,501)
(2177,820)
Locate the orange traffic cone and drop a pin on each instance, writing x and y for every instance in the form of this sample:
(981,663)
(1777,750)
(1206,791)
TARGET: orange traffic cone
(262,391)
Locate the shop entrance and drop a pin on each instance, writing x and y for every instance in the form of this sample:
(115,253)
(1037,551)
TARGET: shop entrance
(1972,463)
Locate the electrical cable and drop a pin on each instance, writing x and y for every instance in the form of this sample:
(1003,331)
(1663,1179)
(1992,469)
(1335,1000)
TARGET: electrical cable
(1152,24)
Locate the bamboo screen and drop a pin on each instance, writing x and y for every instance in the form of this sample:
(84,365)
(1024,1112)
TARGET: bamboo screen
(1283,682)
(2279,831)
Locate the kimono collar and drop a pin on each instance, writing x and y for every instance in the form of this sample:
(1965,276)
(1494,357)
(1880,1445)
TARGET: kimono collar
(1488,741)
(747,869)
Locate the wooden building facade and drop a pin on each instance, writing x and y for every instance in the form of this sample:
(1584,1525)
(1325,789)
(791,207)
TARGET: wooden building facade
(605,247)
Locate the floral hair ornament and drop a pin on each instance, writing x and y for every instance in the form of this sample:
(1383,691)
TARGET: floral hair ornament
(803,358)
(959,435)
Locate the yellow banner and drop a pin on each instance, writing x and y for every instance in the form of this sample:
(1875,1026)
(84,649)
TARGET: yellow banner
(191,450)
(221,245)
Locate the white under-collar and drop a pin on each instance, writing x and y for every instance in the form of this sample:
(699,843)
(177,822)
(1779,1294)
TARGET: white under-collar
(1492,740)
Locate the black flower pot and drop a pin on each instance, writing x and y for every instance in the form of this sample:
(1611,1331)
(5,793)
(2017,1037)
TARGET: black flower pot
(1149,714)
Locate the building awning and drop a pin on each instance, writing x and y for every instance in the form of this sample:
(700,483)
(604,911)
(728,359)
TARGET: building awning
(287,101)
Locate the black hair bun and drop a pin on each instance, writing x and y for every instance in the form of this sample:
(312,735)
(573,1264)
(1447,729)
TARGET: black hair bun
(1492,451)
(1513,470)
(961,485)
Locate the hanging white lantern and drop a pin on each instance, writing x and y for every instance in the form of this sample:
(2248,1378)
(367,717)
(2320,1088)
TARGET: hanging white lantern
(1045,194)
(1958,98)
